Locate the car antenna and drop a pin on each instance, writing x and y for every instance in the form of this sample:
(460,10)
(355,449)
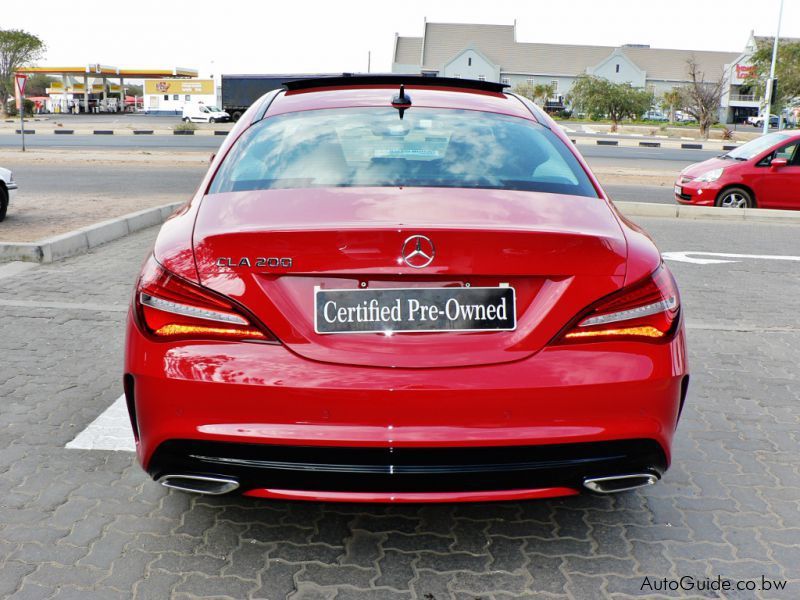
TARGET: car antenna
(401,102)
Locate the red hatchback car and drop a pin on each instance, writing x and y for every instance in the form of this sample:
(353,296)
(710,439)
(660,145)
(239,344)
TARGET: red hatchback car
(763,173)
(403,289)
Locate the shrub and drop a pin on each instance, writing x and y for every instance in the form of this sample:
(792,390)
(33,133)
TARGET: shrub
(185,126)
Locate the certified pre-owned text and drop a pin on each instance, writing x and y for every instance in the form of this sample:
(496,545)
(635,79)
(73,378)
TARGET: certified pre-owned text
(413,310)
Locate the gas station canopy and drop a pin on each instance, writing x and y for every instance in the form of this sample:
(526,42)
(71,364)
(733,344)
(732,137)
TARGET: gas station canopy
(98,70)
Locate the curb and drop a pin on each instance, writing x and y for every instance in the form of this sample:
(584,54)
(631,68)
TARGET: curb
(679,211)
(82,240)
(156,132)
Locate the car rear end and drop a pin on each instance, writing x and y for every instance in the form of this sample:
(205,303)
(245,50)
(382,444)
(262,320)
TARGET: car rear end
(403,295)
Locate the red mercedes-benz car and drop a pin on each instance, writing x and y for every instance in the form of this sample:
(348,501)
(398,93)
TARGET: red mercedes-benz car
(763,173)
(403,289)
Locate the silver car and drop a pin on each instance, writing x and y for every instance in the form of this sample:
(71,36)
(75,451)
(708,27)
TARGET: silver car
(8,189)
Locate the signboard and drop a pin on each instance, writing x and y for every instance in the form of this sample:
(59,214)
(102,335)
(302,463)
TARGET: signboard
(20,80)
(204,87)
(745,71)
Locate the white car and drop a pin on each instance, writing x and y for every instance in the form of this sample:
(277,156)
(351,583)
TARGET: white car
(8,189)
(204,113)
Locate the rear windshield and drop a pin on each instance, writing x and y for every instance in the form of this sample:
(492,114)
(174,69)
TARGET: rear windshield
(428,147)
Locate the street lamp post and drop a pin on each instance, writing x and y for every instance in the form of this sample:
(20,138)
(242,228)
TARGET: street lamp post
(768,92)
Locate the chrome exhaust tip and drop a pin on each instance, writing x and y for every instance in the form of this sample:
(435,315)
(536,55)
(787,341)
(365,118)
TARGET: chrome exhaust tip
(199,484)
(619,483)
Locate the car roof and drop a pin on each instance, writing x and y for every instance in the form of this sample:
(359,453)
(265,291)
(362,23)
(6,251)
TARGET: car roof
(381,90)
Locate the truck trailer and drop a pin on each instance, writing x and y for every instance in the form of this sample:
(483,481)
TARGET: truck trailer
(240,91)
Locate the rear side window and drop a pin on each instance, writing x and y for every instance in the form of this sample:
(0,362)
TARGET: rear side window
(373,147)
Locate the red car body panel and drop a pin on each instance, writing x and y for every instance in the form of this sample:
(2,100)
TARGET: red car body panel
(223,391)
(343,236)
(395,498)
(448,390)
(770,187)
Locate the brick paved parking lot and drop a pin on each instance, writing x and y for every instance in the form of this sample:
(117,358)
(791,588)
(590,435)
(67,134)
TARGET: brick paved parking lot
(89,524)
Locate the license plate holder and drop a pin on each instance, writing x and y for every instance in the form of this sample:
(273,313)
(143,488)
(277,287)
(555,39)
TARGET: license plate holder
(402,310)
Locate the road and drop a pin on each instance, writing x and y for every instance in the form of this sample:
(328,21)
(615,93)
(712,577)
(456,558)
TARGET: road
(89,523)
(132,142)
(77,178)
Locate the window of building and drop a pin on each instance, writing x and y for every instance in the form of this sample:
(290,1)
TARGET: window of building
(617,67)
(187,97)
(554,84)
(469,61)
(505,80)
(530,80)
(175,96)
(166,96)
(481,78)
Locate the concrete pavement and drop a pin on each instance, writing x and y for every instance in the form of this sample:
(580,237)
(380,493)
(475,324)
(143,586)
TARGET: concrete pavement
(90,524)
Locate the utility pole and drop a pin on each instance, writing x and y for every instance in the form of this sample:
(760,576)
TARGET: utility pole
(768,92)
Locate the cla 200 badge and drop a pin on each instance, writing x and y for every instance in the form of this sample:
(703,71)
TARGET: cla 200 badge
(258,261)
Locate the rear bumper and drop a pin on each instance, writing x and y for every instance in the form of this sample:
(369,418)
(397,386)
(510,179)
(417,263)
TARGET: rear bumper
(288,427)
(270,470)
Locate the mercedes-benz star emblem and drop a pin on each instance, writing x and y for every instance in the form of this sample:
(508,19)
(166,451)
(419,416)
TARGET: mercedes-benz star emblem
(418,251)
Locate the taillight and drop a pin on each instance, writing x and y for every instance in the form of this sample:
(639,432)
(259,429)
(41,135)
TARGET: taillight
(170,307)
(645,311)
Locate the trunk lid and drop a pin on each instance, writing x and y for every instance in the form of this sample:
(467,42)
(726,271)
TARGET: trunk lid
(269,250)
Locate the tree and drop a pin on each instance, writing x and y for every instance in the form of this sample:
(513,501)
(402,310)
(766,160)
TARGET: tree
(672,100)
(702,97)
(538,93)
(787,70)
(133,90)
(17,49)
(37,84)
(600,96)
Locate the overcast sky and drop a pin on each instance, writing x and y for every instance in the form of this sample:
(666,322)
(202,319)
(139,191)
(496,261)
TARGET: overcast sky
(303,36)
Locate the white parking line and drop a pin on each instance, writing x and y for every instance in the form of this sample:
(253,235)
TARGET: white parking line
(685,257)
(110,431)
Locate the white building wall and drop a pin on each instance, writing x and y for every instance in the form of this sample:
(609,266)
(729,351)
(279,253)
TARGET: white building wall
(406,69)
(619,70)
(564,83)
(471,65)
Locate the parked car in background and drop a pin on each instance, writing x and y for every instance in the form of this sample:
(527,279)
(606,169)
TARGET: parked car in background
(763,173)
(758,122)
(8,189)
(357,305)
(204,113)
(654,115)
(684,117)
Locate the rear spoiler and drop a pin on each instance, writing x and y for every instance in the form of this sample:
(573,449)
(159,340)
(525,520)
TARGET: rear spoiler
(392,80)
